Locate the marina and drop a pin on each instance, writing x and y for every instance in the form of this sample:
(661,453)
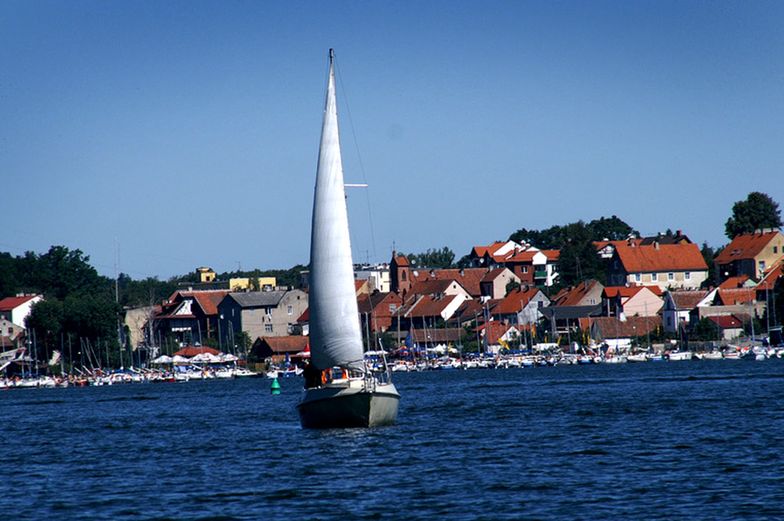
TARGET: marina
(188,370)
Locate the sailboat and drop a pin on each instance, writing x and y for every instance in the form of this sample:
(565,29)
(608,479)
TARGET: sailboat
(351,392)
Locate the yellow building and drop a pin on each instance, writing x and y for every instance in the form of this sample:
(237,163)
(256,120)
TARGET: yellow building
(205,274)
(259,283)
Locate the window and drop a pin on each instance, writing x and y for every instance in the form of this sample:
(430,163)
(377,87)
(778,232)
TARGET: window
(654,277)
(775,249)
(637,277)
(392,308)
(268,328)
(761,266)
(268,311)
(671,276)
(687,275)
(290,310)
(525,269)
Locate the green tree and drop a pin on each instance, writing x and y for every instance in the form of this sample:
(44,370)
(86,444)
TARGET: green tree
(756,212)
(612,229)
(9,278)
(92,316)
(551,238)
(705,330)
(709,254)
(433,258)
(464,262)
(555,237)
(61,272)
(46,320)
(145,292)
(578,260)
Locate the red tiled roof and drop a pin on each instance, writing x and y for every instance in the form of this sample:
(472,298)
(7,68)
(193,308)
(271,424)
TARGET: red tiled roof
(771,276)
(732,297)
(470,309)
(469,278)
(734,282)
(522,256)
(494,330)
(285,344)
(367,303)
(401,260)
(611,327)
(189,352)
(665,257)
(304,317)
(687,299)
(11,303)
(746,246)
(623,291)
(207,299)
(552,255)
(430,286)
(574,295)
(480,251)
(493,274)
(726,321)
(428,306)
(515,301)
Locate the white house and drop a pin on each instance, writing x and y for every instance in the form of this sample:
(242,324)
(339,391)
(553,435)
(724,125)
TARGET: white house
(17,309)
(679,304)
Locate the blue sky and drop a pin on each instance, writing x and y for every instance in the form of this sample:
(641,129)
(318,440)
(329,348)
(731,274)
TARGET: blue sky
(187,132)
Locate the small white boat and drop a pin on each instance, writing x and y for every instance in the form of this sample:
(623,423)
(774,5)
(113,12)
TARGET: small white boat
(679,356)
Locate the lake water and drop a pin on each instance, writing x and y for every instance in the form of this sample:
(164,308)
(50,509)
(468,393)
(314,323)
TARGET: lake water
(697,440)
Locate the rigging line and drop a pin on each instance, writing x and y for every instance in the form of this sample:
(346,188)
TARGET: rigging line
(359,157)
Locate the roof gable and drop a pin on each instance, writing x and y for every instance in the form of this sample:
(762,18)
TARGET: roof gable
(11,303)
(515,301)
(687,299)
(746,246)
(664,257)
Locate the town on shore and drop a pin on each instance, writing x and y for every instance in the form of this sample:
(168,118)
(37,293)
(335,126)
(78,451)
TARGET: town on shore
(655,298)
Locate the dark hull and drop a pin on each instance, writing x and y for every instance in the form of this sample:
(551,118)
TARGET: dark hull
(329,408)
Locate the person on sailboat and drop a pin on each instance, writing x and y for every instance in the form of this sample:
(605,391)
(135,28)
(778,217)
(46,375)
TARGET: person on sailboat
(312,376)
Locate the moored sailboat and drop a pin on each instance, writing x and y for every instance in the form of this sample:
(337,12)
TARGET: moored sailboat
(351,392)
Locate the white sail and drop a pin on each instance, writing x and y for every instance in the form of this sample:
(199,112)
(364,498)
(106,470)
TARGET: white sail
(334,319)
